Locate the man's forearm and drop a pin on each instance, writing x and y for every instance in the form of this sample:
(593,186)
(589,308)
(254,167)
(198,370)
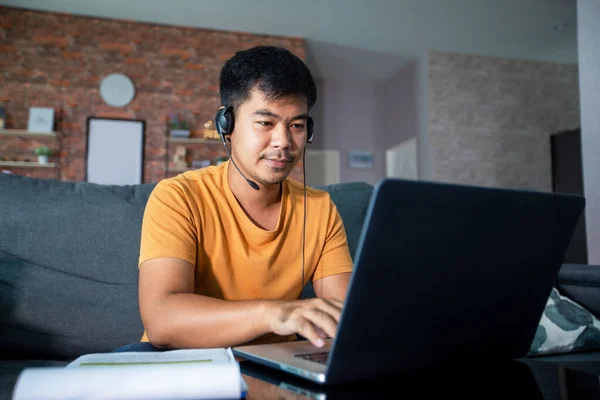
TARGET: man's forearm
(186,320)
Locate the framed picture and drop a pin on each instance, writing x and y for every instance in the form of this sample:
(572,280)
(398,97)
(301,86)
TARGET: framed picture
(41,119)
(361,159)
(115,151)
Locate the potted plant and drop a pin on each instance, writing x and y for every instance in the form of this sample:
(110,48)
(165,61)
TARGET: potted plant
(179,127)
(43,152)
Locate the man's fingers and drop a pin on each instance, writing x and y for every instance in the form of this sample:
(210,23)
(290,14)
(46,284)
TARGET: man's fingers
(338,303)
(331,309)
(323,321)
(309,331)
(314,319)
(321,333)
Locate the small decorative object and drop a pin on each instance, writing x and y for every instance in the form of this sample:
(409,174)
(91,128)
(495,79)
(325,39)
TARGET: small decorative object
(179,127)
(41,119)
(221,159)
(179,157)
(117,90)
(2,118)
(361,159)
(209,131)
(43,152)
(200,163)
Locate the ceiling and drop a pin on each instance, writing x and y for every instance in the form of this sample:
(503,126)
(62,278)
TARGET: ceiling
(365,39)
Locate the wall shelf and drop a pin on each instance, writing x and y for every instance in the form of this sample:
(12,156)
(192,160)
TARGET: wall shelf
(33,136)
(181,169)
(26,164)
(25,133)
(193,140)
(193,143)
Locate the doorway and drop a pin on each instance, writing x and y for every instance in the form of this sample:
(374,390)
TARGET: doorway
(567,177)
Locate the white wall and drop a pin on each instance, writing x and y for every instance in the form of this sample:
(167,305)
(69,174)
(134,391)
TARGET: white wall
(424,146)
(322,167)
(347,118)
(588,15)
(374,116)
(490,118)
(401,95)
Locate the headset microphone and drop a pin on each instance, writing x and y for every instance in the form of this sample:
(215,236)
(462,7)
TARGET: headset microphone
(224,122)
(252,184)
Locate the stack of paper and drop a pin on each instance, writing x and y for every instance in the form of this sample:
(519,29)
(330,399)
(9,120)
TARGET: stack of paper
(176,374)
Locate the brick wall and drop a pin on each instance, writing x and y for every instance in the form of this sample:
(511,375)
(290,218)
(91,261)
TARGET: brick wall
(490,118)
(58,60)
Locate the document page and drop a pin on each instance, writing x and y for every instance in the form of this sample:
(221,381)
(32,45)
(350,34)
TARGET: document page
(170,357)
(175,374)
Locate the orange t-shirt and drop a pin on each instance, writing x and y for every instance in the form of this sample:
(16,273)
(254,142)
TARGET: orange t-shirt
(195,216)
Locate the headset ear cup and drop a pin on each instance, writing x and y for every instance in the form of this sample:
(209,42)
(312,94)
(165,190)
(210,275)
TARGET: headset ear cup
(224,121)
(310,129)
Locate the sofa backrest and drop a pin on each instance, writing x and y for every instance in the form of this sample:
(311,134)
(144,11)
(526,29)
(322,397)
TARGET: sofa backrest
(351,200)
(68,263)
(68,256)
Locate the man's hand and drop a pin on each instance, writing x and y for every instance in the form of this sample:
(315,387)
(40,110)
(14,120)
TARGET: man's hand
(176,317)
(315,319)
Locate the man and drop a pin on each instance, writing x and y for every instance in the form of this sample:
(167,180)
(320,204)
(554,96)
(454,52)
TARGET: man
(222,257)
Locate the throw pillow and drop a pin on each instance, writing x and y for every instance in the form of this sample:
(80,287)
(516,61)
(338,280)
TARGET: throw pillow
(565,327)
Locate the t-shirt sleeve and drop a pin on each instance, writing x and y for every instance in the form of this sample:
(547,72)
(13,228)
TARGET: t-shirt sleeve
(168,228)
(335,257)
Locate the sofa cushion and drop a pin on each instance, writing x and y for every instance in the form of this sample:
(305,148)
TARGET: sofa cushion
(351,200)
(565,326)
(68,266)
(581,282)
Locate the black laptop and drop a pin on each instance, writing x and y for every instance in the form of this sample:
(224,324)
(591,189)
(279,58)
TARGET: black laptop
(445,274)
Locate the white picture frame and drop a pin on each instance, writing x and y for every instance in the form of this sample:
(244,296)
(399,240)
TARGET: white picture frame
(360,159)
(41,119)
(115,151)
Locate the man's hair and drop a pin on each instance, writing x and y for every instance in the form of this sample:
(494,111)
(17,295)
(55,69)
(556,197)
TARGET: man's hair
(275,71)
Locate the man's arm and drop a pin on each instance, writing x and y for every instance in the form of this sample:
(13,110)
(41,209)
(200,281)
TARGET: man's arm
(175,317)
(333,287)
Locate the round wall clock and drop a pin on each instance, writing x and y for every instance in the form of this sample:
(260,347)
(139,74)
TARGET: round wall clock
(117,90)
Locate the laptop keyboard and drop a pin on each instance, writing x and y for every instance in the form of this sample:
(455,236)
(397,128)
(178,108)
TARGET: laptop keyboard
(320,358)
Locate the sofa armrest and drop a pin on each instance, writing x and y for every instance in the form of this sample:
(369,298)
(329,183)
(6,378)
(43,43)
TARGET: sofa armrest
(581,283)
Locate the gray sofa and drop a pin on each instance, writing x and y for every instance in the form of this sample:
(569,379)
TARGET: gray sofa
(68,270)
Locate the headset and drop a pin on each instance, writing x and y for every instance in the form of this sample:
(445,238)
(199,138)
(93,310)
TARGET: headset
(225,122)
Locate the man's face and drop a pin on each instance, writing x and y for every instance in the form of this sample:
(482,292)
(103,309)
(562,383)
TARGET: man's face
(269,136)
